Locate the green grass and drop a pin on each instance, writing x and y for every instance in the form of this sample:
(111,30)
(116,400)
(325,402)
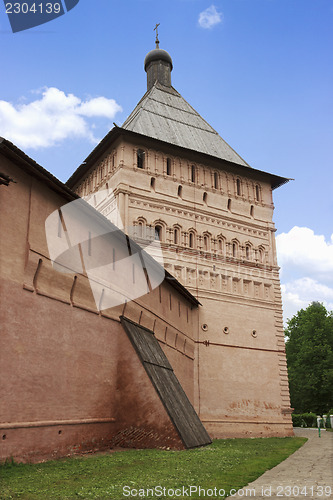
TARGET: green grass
(225,464)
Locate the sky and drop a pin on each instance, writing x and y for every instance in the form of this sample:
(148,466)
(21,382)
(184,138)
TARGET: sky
(260,72)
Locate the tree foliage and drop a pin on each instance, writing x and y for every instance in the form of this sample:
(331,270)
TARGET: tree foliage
(309,349)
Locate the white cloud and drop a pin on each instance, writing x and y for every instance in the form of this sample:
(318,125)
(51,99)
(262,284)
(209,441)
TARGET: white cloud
(298,294)
(52,118)
(210,17)
(306,261)
(302,251)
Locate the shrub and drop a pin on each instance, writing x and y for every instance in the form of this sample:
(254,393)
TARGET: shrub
(310,419)
(305,420)
(297,420)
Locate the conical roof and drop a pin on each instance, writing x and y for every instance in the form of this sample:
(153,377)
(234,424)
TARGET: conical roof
(165,115)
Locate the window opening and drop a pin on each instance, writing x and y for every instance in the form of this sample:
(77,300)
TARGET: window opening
(206,243)
(168,166)
(180,191)
(158,233)
(193,173)
(238,184)
(140,158)
(175,236)
(257,193)
(140,230)
(216,180)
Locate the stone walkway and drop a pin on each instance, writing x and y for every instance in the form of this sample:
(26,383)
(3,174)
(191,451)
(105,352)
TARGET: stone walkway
(306,474)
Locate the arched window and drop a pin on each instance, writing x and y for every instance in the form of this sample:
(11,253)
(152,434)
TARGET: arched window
(193,173)
(216,180)
(176,236)
(206,243)
(248,252)
(140,229)
(158,233)
(238,187)
(252,211)
(261,255)
(234,249)
(180,191)
(169,166)
(229,204)
(257,192)
(205,196)
(191,240)
(220,245)
(152,183)
(140,158)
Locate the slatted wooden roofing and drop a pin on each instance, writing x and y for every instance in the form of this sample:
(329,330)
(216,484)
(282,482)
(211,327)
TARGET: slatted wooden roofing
(164,114)
(171,393)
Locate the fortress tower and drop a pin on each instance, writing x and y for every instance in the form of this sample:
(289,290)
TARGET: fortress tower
(168,170)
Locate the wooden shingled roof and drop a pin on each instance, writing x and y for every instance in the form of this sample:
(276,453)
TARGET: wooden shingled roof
(163,378)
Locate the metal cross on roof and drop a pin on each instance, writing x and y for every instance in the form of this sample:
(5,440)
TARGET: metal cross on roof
(157,40)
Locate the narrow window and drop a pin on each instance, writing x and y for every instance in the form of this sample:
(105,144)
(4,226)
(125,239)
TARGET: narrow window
(179,308)
(252,211)
(140,158)
(220,243)
(175,236)
(257,193)
(193,173)
(261,255)
(180,191)
(205,198)
(170,302)
(158,233)
(238,184)
(140,230)
(168,166)
(229,204)
(234,250)
(248,252)
(216,180)
(191,240)
(152,183)
(113,161)
(206,243)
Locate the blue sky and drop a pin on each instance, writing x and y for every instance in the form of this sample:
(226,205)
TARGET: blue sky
(260,72)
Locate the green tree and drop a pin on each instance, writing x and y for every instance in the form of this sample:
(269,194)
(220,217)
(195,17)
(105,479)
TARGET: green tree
(309,349)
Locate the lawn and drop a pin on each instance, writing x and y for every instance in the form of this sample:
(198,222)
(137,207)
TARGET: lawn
(225,464)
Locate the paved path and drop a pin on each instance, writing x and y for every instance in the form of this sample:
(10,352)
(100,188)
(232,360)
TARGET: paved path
(307,474)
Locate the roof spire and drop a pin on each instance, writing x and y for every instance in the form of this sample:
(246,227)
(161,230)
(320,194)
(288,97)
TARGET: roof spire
(157,40)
